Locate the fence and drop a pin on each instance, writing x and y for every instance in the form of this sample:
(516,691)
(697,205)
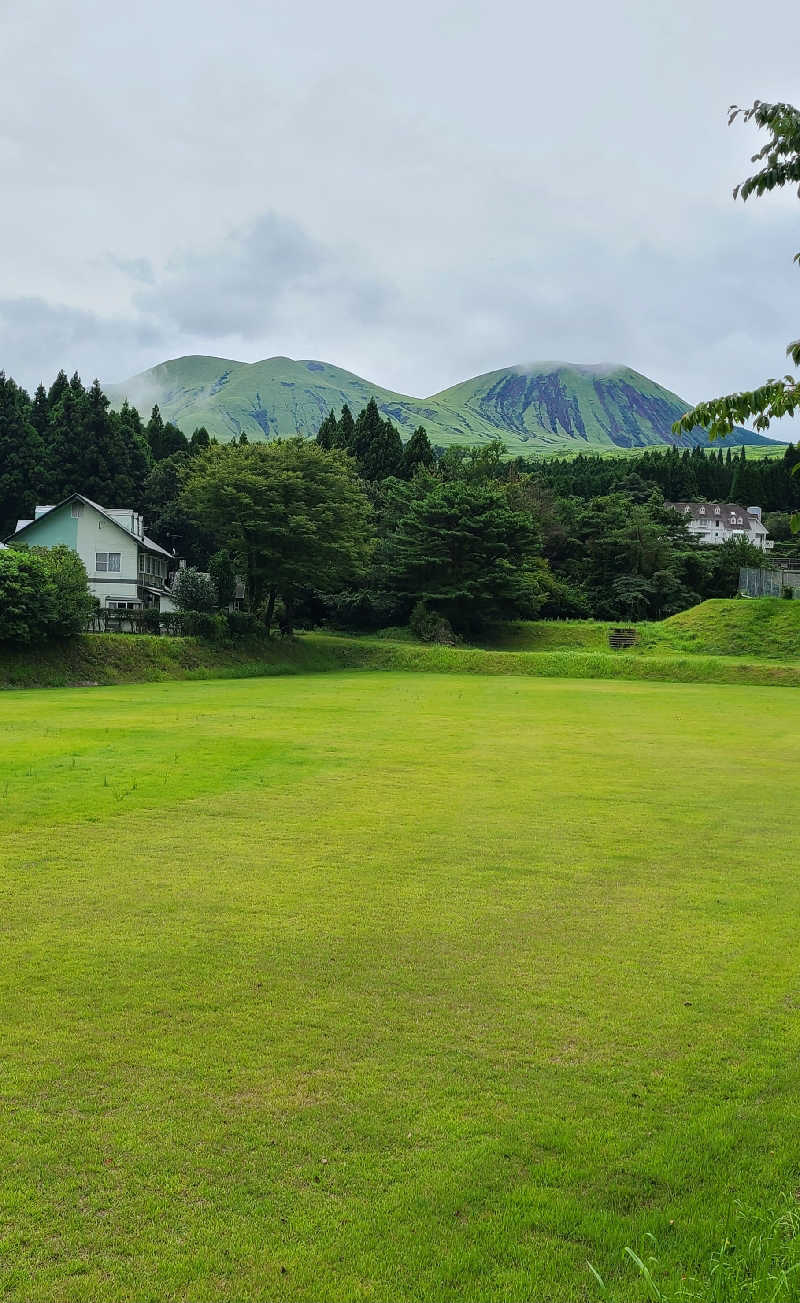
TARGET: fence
(755,582)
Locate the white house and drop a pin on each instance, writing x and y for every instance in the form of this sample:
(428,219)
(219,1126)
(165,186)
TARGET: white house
(716,522)
(126,569)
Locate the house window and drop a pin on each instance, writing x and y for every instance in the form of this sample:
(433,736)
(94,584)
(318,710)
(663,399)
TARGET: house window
(702,511)
(77,510)
(114,560)
(101,561)
(740,521)
(107,561)
(716,511)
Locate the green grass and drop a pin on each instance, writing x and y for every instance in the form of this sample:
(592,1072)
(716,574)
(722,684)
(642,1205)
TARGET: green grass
(753,642)
(757,628)
(392,986)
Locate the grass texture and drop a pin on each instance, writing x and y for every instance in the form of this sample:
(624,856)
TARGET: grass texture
(393,986)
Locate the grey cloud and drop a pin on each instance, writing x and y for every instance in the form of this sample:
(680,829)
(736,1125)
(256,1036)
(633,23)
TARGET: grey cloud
(137,269)
(417,194)
(38,338)
(256,279)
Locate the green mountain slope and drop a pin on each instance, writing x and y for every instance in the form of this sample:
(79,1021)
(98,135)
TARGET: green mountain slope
(547,407)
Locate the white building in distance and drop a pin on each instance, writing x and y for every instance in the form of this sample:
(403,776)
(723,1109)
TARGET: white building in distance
(716,522)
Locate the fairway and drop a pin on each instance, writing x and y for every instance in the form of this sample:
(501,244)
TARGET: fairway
(392,986)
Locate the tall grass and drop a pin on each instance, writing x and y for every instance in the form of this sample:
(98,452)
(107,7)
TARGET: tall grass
(756,1261)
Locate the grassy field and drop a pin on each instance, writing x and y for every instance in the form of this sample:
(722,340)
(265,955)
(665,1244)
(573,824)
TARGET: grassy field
(393,986)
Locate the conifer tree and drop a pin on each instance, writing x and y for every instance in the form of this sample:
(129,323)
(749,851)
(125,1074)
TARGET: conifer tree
(326,434)
(377,446)
(417,453)
(20,456)
(57,388)
(345,430)
(200,440)
(40,410)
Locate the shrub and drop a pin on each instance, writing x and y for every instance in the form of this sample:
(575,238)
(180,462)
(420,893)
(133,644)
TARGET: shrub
(204,624)
(148,620)
(787,592)
(241,624)
(43,594)
(429,626)
(193,591)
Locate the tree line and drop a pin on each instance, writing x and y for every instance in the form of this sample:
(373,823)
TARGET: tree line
(66,439)
(360,530)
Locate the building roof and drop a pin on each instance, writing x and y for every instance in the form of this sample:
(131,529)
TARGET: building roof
(722,511)
(147,543)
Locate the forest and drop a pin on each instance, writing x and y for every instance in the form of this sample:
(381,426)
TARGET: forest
(360,530)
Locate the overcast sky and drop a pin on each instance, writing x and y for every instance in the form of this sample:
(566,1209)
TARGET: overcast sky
(418,192)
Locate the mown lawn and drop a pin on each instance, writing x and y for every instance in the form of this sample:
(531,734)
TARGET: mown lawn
(392,986)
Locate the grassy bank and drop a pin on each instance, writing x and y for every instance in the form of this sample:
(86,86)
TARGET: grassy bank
(107,659)
(758,628)
(755,642)
(391,986)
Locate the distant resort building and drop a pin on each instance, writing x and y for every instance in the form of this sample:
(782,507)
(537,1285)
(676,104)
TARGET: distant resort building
(126,569)
(716,522)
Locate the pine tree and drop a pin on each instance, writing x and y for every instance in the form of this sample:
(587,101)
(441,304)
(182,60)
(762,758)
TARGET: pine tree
(345,430)
(377,446)
(40,410)
(417,453)
(57,388)
(326,434)
(164,439)
(199,441)
(20,455)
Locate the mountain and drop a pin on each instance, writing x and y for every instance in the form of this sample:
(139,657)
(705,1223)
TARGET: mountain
(545,407)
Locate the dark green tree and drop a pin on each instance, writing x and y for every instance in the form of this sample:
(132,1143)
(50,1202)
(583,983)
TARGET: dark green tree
(199,441)
(345,430)
(417,453)
(326,434)
(40,410)
(293,512)
(21,454)
(463,551)
(165,439)
(223,576)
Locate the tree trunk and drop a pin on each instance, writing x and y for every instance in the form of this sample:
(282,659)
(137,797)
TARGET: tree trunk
(269,611)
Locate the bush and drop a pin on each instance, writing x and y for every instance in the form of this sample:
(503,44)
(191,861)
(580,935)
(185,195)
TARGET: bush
(193,591)
(363,609)
(241,624)
(148,620)
(787,592)
(203,624)
(43,594)
(429,626)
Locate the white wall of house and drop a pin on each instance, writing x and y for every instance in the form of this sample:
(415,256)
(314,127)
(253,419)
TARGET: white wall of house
(110,555)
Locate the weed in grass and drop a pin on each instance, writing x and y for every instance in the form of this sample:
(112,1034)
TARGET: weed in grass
(758,1263)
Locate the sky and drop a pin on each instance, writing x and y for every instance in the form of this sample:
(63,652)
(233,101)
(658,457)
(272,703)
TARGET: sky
(418,192)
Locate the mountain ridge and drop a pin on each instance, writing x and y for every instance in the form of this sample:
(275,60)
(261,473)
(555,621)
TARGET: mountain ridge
(534,408)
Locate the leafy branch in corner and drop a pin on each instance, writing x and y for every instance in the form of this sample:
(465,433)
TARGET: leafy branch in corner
(780,160)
